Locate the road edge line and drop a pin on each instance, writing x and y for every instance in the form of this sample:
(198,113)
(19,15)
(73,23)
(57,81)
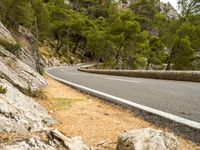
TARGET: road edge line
(109,97)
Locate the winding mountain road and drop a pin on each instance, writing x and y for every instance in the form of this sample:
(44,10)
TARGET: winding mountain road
(175,98)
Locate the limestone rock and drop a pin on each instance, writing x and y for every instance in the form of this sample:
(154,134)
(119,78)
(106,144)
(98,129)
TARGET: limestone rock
(5,34)
(51,62)
(168,10)
(29,144)
(165,8)
(20,113)
(51,139)
(18,73)
(147,139)
(74,143)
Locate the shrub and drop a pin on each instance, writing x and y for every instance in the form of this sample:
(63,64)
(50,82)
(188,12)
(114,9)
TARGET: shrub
(3,90)
(13,48)
(36,93)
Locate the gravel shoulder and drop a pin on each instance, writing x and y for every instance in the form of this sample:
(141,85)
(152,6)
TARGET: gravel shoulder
(99,123)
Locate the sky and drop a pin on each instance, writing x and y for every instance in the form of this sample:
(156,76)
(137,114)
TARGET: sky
(173,2)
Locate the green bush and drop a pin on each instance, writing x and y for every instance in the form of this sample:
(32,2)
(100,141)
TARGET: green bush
(35,93)
(13,48)
(3,90)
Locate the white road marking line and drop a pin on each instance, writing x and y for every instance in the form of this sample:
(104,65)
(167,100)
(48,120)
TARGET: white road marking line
(175,118)
(71,73)
(123,80)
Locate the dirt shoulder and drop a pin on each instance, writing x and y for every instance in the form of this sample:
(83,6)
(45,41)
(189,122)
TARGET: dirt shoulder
(99,123)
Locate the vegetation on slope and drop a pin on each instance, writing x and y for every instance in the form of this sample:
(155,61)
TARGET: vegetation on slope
(132,38)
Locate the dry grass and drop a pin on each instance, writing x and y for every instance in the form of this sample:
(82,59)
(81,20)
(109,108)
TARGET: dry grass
(96,121)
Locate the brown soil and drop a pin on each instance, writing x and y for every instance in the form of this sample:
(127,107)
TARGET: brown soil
(99,123)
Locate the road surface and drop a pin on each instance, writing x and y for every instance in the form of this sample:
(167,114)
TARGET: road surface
(178,98)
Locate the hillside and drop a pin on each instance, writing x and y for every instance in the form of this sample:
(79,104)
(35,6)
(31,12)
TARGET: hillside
(139,34)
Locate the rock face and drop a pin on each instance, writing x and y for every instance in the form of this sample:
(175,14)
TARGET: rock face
(29,144)
(20,113)
(74,143)
(18,73)
(56,140)
(168,10)
(165,8)
(147,139)
(5,34)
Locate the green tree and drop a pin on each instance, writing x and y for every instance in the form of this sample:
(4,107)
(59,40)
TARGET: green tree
(124,32)
(183,56)
(99,44)
(145,11)
(20,13)
(156,54)
(189,7)
(177,36)
(42,17)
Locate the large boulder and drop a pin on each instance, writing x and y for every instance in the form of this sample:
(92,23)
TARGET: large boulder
(20,113)
(51,140)
(18,73)
(74,143)
(147,139)
(34,143)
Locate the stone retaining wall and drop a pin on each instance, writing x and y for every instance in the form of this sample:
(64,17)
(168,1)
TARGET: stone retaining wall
(193,76)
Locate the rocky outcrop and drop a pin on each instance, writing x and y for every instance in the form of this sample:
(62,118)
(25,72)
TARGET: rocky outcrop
(51,139)
(5,34)
(18,73)
(147,139)
(168,10)
(34,143)
(74,143)
(20,113)
(27,41)
(164,8)
(51,62)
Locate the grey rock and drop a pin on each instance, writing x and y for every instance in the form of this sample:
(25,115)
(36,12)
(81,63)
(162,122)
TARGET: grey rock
(5,34)
(20,113)
(165,8)
(168,10)
(18,73)
(34,143)
(25,33)
(51,62)
(147,139)
(52,140)
(74,143)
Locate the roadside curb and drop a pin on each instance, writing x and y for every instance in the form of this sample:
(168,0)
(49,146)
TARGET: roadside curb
(191,76)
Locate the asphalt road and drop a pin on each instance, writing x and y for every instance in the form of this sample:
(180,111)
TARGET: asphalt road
(175,97)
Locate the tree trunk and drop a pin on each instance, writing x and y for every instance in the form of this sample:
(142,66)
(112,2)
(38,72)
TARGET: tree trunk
(148,64)
(168,67)
(75,48)
(118,61)
(58,46)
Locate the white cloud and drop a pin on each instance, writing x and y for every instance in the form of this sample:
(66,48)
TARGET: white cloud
(173,2)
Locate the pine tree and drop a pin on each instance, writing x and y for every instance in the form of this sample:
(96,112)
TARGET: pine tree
(20,12)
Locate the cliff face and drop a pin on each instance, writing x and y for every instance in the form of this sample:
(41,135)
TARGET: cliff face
(18,112)
(168,10)
(164,8)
